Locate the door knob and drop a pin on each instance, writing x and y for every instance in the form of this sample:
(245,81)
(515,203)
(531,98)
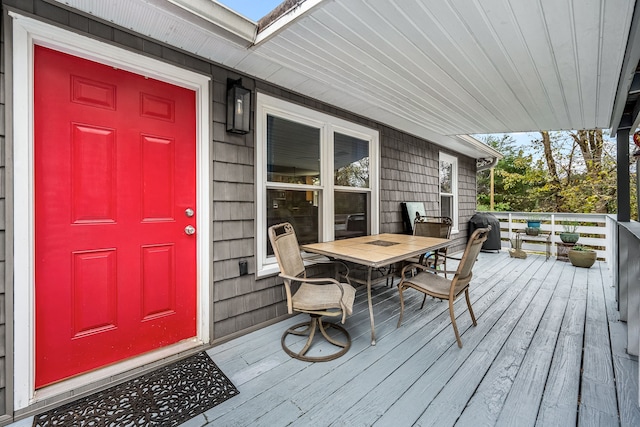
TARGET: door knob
(189,230)
(189,212)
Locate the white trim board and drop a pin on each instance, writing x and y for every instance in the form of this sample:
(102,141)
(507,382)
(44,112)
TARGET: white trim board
(26,33)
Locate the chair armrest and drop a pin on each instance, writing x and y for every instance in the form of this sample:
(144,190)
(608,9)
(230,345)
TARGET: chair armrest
(315,280)
(319,280)
(415,266)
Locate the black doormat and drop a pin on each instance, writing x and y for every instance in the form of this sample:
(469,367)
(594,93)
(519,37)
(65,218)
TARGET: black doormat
(166,397)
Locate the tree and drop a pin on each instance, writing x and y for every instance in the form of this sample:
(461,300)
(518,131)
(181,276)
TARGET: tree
(574,172)
(515,178)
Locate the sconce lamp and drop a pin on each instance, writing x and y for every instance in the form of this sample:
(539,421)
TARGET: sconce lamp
(238,107)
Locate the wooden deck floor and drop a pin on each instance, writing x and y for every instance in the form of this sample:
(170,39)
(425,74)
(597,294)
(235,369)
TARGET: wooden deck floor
(548,350)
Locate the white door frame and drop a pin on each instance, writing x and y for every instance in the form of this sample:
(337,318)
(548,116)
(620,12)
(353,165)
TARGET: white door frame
(26,33)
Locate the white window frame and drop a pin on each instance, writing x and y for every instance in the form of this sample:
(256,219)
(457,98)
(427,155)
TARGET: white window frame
(444,157)
(328,125)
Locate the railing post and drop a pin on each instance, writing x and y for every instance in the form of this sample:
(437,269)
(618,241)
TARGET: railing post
(553,233)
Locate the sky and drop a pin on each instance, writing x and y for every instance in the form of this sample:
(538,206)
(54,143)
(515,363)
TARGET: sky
(521,138)
(252,9)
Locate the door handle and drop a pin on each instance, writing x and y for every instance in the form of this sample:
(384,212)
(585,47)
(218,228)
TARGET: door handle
(189,230)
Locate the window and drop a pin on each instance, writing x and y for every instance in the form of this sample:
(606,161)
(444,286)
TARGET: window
(318,172)
(449,188)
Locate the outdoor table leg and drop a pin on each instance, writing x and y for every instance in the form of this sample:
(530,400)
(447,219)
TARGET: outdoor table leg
(373,333)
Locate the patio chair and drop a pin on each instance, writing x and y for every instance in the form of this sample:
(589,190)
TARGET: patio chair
(317,297)
(430,283)
(435,226)
(439,226)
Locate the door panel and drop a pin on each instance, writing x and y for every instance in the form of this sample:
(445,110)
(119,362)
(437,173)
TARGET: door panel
(114,157)
(158,281)
(158,178)
(94,292)
(93,180)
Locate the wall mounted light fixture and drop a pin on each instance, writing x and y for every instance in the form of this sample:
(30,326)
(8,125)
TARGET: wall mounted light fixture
(238,107)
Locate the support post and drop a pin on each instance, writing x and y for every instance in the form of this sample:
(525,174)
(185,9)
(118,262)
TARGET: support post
(624,192)
(492,190)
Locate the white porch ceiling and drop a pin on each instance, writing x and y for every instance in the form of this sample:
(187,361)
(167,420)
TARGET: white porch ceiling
(432,68)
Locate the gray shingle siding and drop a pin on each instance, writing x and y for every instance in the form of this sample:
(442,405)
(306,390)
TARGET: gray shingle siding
(409,172)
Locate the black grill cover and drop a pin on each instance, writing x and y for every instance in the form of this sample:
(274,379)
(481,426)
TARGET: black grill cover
(482,220)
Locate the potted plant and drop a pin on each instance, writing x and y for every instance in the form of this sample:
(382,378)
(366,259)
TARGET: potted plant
(532,231)
(533,221)
(570,235)
(582,257)
(533,225)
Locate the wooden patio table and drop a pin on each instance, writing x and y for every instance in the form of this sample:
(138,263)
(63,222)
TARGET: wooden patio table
(376,251)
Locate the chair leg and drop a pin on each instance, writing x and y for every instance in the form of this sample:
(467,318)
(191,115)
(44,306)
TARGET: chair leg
(453,322)
(423,301)
(326,336)
(473,317)
(310,329)
(401,304)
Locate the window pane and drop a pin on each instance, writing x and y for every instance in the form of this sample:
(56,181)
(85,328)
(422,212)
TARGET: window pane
(351,215)
(300,208)
(446,177)
(293,152)
(446,206)
(351,161)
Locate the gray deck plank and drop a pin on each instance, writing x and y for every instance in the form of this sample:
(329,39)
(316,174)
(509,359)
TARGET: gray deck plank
(598,400)
(316,372)
(322,388)
(374,402)
(560,399)
(626,371)
(488,399)
(440,369)
(268,390)
(513,331)
(254,357)
(532,320)
(523,400)
(363,376)
(274,390)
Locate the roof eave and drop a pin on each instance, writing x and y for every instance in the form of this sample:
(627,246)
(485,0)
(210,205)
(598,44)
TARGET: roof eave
(225,22)
(482,150)
(288,16)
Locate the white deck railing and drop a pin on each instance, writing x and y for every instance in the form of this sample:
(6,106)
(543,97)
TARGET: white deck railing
(596,230)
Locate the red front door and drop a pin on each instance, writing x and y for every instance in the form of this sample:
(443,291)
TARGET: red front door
(115,272)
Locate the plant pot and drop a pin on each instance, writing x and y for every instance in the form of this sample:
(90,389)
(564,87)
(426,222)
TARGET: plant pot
(569,237)
(533,224)
(532,231)
(582,258)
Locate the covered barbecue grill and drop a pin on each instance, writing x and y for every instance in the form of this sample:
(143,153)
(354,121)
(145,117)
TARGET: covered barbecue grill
(482,220)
